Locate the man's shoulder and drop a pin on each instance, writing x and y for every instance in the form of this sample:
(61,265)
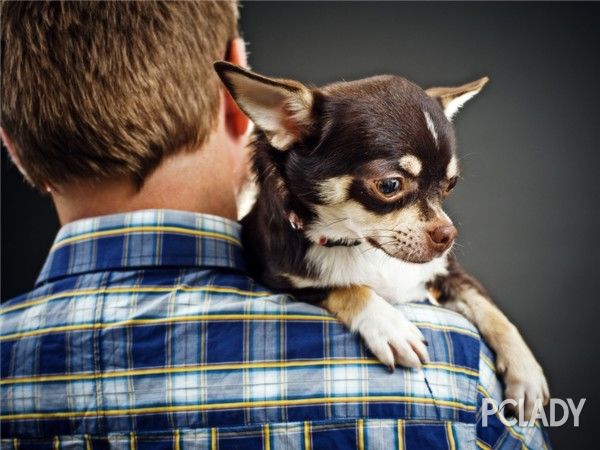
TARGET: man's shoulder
(283,359)
(187,281)
(107,297)
(194,292)
(195,286)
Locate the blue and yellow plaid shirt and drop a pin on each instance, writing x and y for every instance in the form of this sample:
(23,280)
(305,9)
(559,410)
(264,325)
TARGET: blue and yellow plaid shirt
(145,332)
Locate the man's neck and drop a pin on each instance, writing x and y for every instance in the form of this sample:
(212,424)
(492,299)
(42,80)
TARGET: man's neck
(195,181)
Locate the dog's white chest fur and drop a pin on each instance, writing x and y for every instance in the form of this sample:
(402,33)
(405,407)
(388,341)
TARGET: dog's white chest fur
(395,280)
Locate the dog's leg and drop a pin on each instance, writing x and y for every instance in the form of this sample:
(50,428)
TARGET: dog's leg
(387,332)
(523,377)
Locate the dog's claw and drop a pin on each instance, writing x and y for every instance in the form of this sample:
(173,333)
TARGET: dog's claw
(525,382)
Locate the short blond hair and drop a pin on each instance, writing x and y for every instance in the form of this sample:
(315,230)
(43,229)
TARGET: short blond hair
(97,90)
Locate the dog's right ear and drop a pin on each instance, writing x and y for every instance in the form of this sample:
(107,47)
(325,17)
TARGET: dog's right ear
(280,108)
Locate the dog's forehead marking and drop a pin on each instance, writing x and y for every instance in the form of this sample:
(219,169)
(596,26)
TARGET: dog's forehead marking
(431,127)
(452,167)
(411,164)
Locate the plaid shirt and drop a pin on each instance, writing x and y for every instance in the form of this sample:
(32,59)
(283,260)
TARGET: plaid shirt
(144,332)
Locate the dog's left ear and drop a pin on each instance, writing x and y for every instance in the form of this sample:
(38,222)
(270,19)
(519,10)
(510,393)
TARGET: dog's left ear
(452,99)
(280,108)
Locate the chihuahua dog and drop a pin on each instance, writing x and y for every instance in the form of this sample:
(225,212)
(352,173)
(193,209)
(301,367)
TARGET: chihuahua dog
(351,180)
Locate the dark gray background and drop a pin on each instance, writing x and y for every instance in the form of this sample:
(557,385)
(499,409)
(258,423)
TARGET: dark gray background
(528,204)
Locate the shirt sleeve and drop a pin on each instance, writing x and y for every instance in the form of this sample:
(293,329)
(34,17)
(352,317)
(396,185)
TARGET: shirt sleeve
(492,431)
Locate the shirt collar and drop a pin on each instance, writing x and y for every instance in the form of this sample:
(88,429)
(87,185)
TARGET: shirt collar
(149,238)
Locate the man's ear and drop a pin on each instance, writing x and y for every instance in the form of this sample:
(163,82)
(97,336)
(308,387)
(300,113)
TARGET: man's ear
(282,109)
(236,121)
(451,99)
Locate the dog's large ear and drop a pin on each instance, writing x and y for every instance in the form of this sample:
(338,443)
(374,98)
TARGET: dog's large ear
(280,108)
(452,99)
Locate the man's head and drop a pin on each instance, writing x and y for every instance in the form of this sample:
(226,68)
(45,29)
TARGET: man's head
(370,159)
(106,91)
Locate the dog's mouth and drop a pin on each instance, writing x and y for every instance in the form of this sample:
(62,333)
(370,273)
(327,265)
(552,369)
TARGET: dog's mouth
(410,251)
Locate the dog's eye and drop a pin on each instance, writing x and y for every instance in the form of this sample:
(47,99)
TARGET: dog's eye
(451,184)
(389,186)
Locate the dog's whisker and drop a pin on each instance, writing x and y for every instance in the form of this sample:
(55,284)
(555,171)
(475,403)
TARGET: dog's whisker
(330,224)
(469,155)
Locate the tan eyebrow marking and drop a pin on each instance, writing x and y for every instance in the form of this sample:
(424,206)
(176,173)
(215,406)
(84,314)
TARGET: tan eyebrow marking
(335,190)
(411,164)
(452,168)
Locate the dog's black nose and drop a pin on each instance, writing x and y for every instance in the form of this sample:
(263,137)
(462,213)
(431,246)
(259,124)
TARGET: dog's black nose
(442,236)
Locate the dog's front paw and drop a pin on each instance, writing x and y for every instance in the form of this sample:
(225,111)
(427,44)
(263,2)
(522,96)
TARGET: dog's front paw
(390,335)
(524,381)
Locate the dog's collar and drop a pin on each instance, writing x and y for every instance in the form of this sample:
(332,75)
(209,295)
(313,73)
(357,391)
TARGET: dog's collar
(296,224)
